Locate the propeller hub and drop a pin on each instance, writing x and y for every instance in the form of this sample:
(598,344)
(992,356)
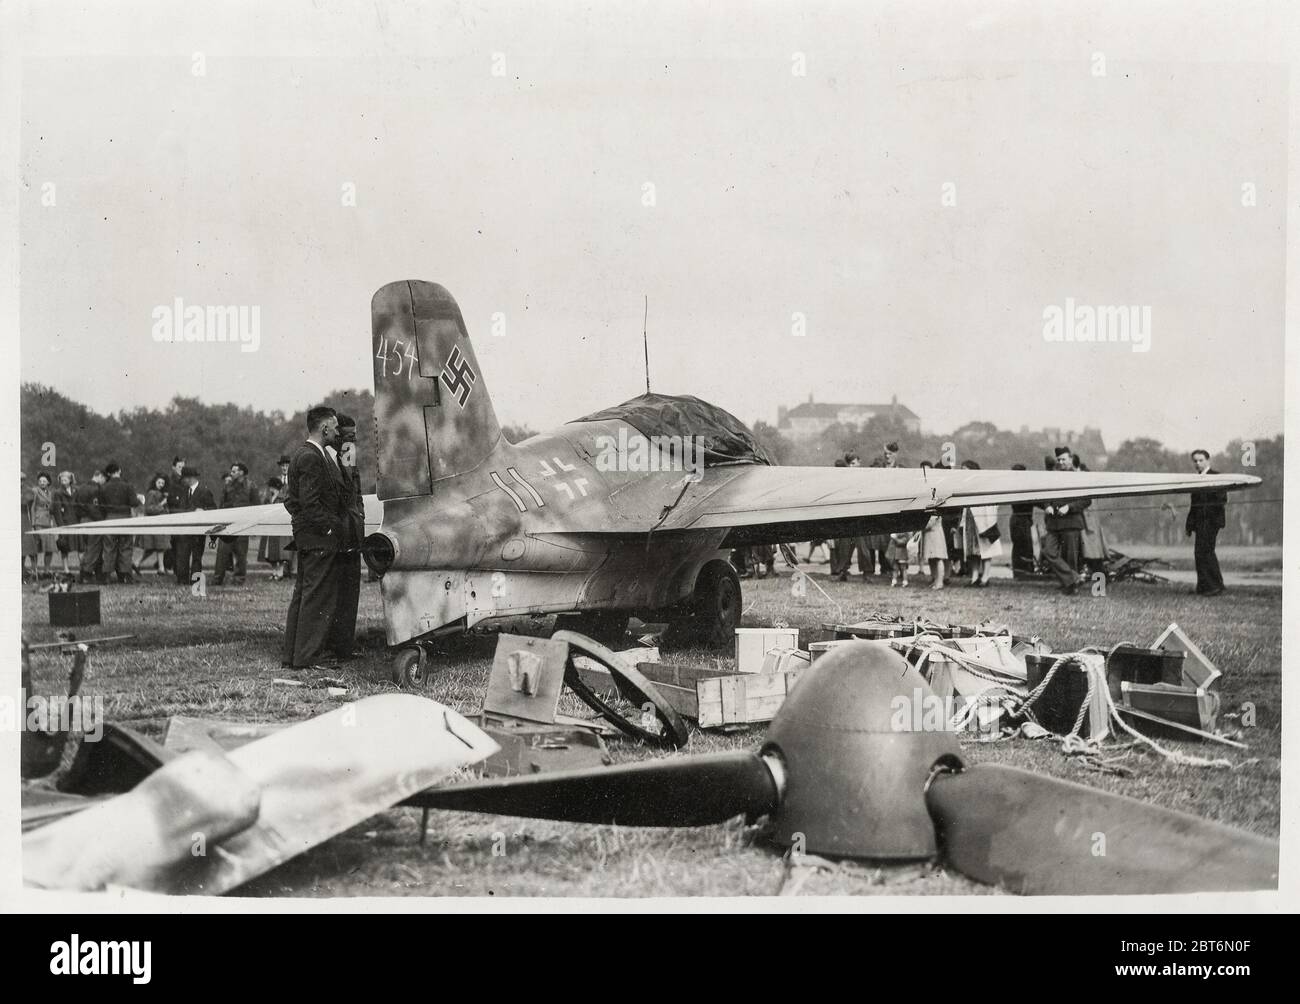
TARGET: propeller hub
(858,738)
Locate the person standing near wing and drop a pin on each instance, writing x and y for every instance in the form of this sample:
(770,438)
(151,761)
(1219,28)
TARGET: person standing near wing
(347,563)
(1063,526)
(315,504)
(1206,517)
(233,551)
(1023,561)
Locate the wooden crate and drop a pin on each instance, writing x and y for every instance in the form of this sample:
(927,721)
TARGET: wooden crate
(710,697)
(754,643)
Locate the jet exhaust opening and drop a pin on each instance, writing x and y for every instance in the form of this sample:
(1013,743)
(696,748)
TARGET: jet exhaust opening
(378,553)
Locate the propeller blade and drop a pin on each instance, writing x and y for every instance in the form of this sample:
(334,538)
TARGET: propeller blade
(674,791)
(1041,835)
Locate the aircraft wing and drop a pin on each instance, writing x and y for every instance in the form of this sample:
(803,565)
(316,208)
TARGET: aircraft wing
(762,504)
(243,521)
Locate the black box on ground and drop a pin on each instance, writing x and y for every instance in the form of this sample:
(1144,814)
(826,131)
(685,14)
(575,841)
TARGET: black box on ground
(1147,666)
(1057,707)
(74,609)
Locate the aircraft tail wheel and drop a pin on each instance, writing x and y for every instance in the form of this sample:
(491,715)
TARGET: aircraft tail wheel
(409,667)
(715,606)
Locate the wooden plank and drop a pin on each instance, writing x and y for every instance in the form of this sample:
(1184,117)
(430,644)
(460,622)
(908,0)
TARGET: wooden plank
(733,699)
(1138,716)
(678,676)
(709,703)
(743,698)
(1198,670)
(682,696)
(710,697)
(684,700)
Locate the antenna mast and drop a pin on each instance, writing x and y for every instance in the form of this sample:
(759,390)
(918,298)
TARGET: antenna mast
(645,342)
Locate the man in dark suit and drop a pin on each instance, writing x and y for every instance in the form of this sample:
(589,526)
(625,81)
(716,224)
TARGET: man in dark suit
(117,498)
(177,492)
(315,504)
(234,550)
(1022,536)
(1206,518)
(1063,531)
(196,497)
(347,563)
(86,504)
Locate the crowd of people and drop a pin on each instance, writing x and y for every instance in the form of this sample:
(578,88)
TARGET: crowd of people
(1063,538)
(320,486)
(63,501)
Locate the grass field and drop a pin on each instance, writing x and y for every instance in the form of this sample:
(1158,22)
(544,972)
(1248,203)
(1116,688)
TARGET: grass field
(217,657)
(1236,558)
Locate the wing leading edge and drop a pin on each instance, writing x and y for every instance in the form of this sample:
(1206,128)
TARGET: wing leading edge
(244,521)
(761,504)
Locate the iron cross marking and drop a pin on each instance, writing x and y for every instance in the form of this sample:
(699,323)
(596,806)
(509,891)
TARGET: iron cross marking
(458,376)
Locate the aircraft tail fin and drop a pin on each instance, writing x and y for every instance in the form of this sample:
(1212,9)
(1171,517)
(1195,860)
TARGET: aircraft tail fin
(433,416)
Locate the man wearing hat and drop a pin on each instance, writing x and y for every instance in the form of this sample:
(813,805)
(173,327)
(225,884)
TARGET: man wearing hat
(315,503)
(287,554)
(88,508)
(189,555)
(117,498)
(347,563)
(233,551)
(176,492)
(1063,530)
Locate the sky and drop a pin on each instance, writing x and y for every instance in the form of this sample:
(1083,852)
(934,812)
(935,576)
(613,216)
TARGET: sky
(850,201)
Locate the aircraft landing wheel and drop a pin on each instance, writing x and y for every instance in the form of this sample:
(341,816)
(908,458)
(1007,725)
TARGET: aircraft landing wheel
(715,605)
(409,667)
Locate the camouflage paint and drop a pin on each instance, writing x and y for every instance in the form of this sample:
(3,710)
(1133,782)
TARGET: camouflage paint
(433,417)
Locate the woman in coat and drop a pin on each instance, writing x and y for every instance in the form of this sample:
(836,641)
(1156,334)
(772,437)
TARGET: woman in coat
(155,504)
(1093,549)
(270,549)
(41,517)
(983,538)
(64,509)
(934,546)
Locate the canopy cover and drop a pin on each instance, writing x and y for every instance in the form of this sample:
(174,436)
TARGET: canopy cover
(725,438)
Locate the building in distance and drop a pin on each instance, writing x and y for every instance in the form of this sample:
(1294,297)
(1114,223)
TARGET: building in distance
(810,419)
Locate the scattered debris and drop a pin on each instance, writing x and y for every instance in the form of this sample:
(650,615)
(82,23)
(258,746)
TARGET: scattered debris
(307,781)
(837,777)
(1197,670)
(41,747)
(785,660)
(711,698)
(117,763)
(137,838)
(183,734)
(659,723)
(1120,567)
(528,749)
(753,644)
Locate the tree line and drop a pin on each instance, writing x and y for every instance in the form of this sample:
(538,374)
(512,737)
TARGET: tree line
(59,434)
(1254,517)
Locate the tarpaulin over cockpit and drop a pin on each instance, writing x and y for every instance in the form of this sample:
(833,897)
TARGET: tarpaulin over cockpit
(725,438)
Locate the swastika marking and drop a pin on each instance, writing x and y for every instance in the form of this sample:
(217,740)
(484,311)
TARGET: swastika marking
(458,376)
